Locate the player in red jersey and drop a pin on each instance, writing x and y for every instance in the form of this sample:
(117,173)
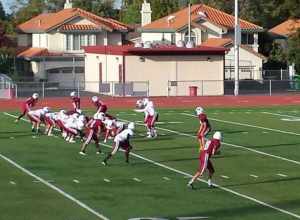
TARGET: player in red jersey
(101,107)
(75,103)
(27,105)
(204,128)
(94,129)
(211,147)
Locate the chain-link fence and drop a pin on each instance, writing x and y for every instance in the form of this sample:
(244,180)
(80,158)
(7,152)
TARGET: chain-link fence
(218,87)
(62,89)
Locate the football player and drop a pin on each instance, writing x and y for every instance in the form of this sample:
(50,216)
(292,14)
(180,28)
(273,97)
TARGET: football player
(204,128)
(122,140)
(101,107)
(94,126)
(36,117)
(211,147)
(151,116)
(27,105)
(75,103)
(50,119)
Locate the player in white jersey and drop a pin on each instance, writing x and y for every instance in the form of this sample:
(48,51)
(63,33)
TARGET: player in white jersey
(151,116)
(121,140)
(112,128)
(50,119)
(36,117)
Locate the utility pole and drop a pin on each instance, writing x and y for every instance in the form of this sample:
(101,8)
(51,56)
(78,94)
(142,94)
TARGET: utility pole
(237,39)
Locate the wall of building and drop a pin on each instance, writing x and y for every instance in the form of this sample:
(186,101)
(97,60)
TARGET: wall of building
(56,41)
(159,70)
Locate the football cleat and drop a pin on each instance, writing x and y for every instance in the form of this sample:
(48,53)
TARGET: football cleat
(82,153)
(104,163)
(190,185)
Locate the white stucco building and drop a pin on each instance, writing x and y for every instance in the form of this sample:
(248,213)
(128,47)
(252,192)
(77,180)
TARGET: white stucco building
(52,42)
(167,70)
(209,27)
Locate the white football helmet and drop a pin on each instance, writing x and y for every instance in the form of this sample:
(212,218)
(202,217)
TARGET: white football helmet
(217,135)
(101,116)
(73,94)
(131,126)
(35,95)
(62,112)
(79,111)
(145,101)
(95,98)
(139,103)
(46,109)
(199,110)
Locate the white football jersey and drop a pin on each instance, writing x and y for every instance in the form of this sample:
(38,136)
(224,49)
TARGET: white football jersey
(52,115)
(38,113)
(124,135)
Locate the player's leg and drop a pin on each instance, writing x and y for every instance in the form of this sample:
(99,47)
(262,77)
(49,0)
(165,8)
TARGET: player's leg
(211,171)
(114,151)
(86,143)
(202,166)
(24,111)
(96,139)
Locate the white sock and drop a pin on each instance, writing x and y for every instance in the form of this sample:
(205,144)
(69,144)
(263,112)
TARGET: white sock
(209,182)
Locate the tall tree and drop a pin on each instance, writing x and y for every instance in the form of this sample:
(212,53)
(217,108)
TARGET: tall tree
(294,50)
(2,12)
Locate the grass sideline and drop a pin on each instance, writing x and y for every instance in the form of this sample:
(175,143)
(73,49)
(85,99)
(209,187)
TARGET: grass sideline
(154,195)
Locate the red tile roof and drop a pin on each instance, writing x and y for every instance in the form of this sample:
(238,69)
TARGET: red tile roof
(286,28)
(217,42)
(37,52)
(78,27)
(46,22)
(212,15)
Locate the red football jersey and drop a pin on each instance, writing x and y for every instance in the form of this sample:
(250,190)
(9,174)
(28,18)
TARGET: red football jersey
(101,107)
(31,102)
(76,102)
(212,146)
(203,119)
(95,125)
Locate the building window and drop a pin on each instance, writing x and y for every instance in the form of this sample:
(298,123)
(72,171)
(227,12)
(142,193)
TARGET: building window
(91,40)
(77,41)
(247,38)
(173,38)
(69,41)
(193,37)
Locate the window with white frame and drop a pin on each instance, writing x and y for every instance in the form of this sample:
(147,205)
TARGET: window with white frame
(193,37)
(77,41)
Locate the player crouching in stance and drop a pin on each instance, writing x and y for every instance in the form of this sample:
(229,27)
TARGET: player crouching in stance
(112,128)
(94,129)
(204,128)
(50,119)
(210,148)
(151,116)
(36,117)
(122,141)
(26,106)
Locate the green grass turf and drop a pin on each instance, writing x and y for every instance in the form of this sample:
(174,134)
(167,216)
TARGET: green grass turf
(123,198)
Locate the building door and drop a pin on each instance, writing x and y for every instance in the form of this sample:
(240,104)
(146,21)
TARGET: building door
(100,73)
(121,78)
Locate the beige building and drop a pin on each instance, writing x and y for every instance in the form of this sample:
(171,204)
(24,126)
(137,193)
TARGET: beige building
(166,70)
(209,27)
(52,42)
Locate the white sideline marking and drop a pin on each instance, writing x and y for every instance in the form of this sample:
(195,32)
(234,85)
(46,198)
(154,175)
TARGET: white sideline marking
(76,181)
(245,132)
(254,176)
(12,182)
(137,179)
(281,115)
(166,178)
(216,185)
(163,134)
(282,175)
(191,218)
(150,161)
(54,188)
(248,125)
(37,181)
(107,180)
(164,122)
(225,177)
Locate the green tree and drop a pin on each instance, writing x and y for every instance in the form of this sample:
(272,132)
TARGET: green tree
(2,12)
(29,10)
(294,50)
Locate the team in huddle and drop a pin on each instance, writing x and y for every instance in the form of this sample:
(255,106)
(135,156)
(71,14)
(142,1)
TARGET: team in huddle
(74,123)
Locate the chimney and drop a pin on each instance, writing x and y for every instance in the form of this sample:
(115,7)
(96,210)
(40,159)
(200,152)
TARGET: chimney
(146,13)
(68,4)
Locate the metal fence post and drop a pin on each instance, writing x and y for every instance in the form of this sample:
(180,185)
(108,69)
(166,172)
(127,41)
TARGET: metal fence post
(78,88)
(168,88)
(43,89)
(270,87)
(202,89)
(148,89)
(16,90)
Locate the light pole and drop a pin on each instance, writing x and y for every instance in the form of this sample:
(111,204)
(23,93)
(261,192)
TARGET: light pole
(237,39)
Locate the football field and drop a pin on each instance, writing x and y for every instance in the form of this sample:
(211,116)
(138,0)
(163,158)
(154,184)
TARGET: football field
(257,173)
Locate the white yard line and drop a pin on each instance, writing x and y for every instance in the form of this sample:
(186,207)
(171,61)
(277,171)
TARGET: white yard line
(225,177)
(155,163)
(247,125)
(216,185)
(229,144)
(282,175)
(107,180)
(281,115)
(68,196)
(137,180)
(76,181)
(254,176)
(166,178)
